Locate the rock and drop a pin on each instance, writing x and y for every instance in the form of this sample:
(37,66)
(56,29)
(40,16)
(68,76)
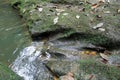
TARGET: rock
(100,70)
(114,60)
(62,67)
(65,26)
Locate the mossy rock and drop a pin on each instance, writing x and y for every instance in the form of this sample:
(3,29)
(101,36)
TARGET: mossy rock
(7,74)
(68,25)
(102,71)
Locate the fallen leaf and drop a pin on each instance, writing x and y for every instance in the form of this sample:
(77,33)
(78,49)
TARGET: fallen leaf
(55,20)
(89,52)
(98,25)
(101,29)
(68,76)
(118,10)
(60,10)
(104,56)
(56,78)
(40,9)
(107,12)
(65,14)
(91,77)
(94,6)
(77,16)
(58,14)
(93,53)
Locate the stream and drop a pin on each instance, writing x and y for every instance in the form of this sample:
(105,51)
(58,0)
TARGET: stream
(14,41)
(34,60)
(13,34)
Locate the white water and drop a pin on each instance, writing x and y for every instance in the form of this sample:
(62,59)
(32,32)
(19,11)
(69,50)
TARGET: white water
(27,64)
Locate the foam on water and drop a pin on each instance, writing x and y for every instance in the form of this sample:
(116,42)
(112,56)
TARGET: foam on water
(26,63)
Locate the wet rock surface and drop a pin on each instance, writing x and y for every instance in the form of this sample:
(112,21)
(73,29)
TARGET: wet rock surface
(74,34)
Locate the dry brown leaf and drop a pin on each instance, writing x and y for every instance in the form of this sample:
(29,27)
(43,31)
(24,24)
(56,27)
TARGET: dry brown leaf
(104,56)
(60,10)
(94,6)
(68,76)
(56,78)
(89,52)
(118,10)
(91,77)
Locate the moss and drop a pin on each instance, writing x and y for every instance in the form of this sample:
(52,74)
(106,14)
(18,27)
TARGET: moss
(81,29)
(93,67)
(97,39)
(73,2)
(7,74)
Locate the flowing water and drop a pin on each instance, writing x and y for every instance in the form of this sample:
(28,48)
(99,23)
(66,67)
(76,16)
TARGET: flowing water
(14,41)
(16,49)
(13,34)
(29,64)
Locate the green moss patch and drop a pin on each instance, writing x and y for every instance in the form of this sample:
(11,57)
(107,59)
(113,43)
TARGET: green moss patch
(7,74)
(99,69)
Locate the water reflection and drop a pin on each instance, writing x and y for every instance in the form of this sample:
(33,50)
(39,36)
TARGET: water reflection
(13,34)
